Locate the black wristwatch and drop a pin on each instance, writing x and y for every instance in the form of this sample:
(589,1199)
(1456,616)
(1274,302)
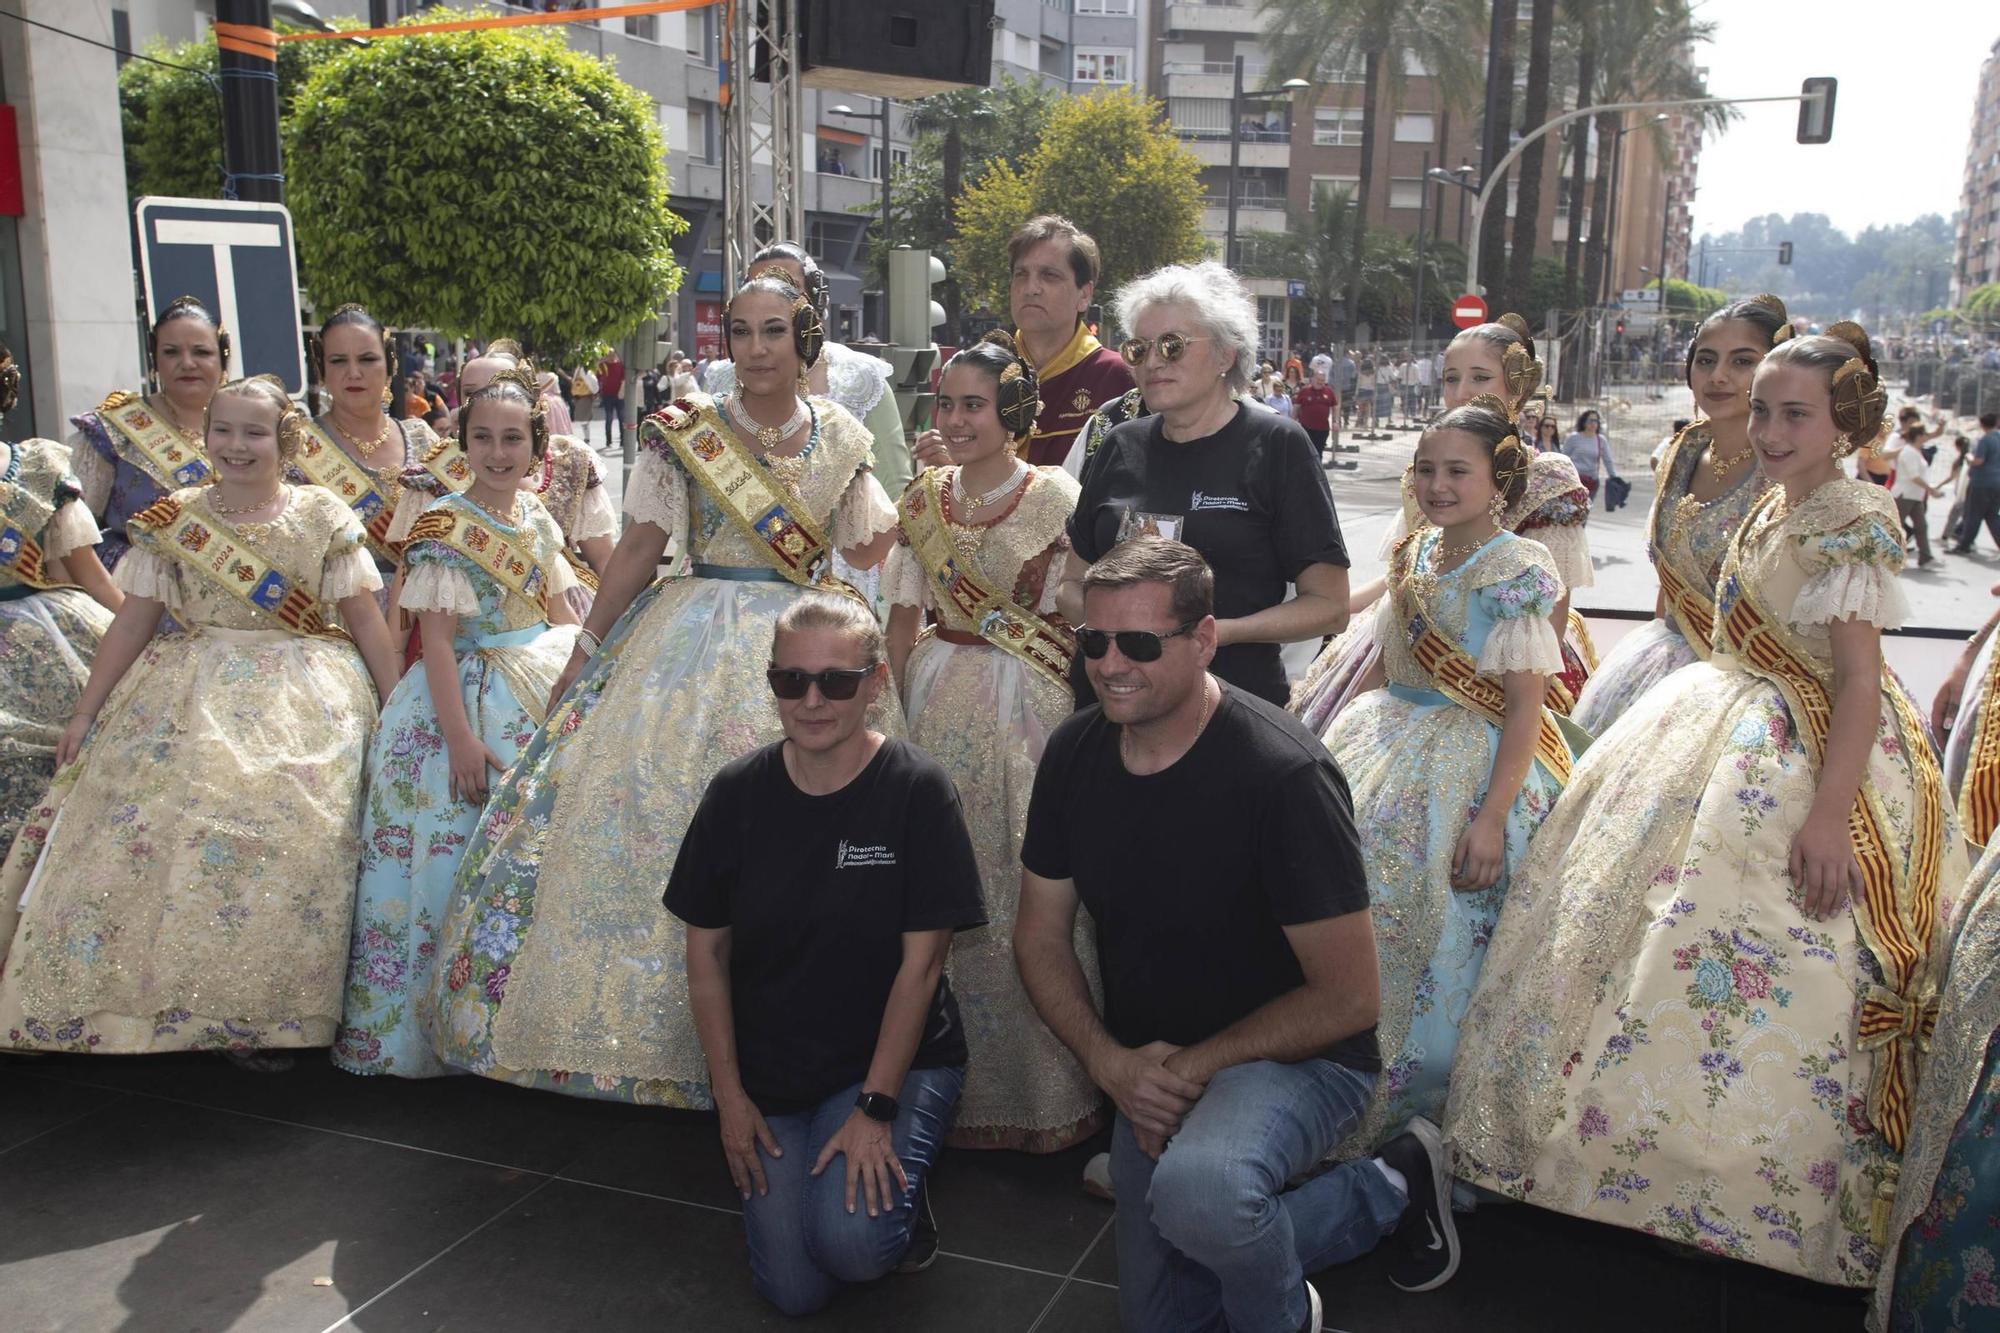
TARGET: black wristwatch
(878,1106)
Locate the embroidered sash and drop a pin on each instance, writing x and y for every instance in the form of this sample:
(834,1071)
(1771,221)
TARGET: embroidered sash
(227,561)
(150,444)
(325,463)
(1454,672)
(447,465)
(22,515)
(510,560)
(1979,803)
(1002,622)
(754,501)
(1692,611)
(1896,913)
(581,568)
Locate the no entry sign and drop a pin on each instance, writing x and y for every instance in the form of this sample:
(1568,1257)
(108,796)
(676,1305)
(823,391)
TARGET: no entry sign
(1468,310)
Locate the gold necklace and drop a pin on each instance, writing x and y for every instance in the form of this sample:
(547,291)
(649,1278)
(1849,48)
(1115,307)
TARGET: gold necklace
(1445,551)
(362,453)
(1720,468)
(1200,724)
(166,409)
(217,508)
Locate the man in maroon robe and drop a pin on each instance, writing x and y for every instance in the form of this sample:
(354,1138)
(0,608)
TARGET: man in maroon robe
(1054,276)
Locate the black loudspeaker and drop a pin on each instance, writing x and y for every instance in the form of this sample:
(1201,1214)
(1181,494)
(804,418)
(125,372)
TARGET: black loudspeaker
(896,48)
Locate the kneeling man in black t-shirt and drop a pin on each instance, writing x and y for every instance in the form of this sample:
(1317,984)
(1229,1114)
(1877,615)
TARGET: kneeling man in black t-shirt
(1212,839)
(821,881)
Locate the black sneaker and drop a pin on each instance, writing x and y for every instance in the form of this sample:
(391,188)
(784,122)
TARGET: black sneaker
(923,1251)
(1429,1238)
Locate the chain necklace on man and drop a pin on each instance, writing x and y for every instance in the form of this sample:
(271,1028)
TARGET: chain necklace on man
(1200,725)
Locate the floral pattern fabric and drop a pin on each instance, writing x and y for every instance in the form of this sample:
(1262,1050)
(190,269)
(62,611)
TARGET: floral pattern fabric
(413,832)
(1661,1038)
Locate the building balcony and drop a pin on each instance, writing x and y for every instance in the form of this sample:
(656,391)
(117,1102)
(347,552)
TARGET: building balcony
(1186,78)
(1251,215)
(1216,16)
(1215,152)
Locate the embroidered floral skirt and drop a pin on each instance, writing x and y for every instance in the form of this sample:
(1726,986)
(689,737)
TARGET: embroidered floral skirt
(413,836)
(47,642)
(985,715)
(1334,678)
(1642,659)
(1417,766)
(1661,1039)
(196,865)
(560,967)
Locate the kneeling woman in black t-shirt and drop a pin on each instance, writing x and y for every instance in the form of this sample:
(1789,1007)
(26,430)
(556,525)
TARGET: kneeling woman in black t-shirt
(821,881)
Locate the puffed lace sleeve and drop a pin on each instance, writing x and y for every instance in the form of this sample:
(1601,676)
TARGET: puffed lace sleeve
(561,577)
(70,528)
(1853,573)
(600,517)
(348,568)
(862,512)
(657,493)
(903,581)
(410,502)
(1052,573)
(1569,547)
(94,472)
(140,573)
(437,578)
(1522,639)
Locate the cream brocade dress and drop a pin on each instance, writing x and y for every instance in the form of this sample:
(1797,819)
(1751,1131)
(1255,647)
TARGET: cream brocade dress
(985,715)
(560,967)
(48,636)
(1661,1038)
(197,863)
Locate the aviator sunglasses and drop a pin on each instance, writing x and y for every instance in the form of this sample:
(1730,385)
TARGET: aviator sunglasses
(1138,645)
(1173,346)
(835,683)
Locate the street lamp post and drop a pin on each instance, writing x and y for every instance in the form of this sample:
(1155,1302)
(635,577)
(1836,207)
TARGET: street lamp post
(843,109)
(1237,97)
(1455,176)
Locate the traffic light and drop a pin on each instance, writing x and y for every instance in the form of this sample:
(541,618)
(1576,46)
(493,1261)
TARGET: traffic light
(912,316)
(1816,110)
(1619,327)
(1784,252)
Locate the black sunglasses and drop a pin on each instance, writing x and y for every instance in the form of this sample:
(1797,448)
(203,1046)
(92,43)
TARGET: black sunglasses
(1138,645)
(835,683)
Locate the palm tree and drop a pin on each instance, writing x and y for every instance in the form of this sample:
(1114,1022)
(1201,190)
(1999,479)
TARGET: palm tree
(1528,202)
(1317,246)
(1318,39)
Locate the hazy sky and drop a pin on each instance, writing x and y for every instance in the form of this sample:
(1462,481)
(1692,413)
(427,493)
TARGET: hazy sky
(1908,72)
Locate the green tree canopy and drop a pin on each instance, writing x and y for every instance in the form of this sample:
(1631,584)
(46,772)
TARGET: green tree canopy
(1109,163)
(481,183)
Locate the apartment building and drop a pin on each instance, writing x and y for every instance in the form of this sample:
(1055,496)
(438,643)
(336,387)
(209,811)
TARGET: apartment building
(1976,257)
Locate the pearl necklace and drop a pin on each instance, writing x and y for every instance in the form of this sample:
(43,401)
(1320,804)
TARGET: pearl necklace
(768,437)
(961,500)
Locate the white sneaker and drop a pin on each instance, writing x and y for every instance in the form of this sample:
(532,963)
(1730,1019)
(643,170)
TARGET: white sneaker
(1097,1178)
(1313,1311)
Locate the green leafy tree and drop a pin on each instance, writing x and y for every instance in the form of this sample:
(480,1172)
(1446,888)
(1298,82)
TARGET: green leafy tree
(1981,307)
(533,201)
(1319,40)
(1111,164)
(1317,248)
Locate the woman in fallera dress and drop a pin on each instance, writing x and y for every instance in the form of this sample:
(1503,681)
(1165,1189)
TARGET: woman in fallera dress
(188,882)
(484,574)
(1702,1010)
(1707,482)
(981,550)
(135,448)
(1449,749)
(558,966)
(56,603)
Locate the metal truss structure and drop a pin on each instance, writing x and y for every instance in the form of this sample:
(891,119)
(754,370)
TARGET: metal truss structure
(762,129)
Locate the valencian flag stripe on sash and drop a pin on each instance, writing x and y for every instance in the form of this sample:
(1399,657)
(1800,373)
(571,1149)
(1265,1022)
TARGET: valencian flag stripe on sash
(1896,913)
(222,557)
(509,561)
(1002,622)
(325,464)
(1979,803)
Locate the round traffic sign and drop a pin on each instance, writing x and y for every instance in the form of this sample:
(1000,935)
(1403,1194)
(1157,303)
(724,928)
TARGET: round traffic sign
(1468,310)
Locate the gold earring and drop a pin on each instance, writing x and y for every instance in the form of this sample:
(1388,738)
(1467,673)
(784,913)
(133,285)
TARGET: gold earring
(1497,506)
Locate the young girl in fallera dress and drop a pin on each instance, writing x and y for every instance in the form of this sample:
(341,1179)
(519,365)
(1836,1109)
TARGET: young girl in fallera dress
(1702,1010)
(189,880)
(485,575)
(1450,752)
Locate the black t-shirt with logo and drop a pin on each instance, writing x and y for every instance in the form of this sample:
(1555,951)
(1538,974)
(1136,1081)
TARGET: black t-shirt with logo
(1251,498)
(817,892)
(1191,873)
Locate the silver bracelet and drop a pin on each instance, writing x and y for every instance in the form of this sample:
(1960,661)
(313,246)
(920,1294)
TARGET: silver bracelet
(589,642)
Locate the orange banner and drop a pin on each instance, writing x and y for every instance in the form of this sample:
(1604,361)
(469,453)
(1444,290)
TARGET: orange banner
(506,21)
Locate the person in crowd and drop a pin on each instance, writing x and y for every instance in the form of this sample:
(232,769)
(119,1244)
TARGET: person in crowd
(1412,379)
(1350,380)
(687,381)
(1937,1268)
(1955,480)
(56,603)
(1364,393)
(1911,488)
(1982,491)
(611,398)
(1426,382)
(1315,406)
(1243,487)
(981,551)
(1212,841)
(136,448)
(581,382)
(1053,270)
(484,572)
(1451,756)
(656,385)
(1586,447)
(1660,449)
(1279,398)
(553,388)
(1707,481)
(1701,1012)
(1548,434)
(1322,364)
(1295,371)
(555,961)
(836,1051)
(196,893)
(357,451)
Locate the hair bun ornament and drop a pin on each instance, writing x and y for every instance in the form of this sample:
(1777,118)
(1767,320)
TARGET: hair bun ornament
(1519,327)
(1003,340)
(1784,333)
(1018,401)
(1489,402)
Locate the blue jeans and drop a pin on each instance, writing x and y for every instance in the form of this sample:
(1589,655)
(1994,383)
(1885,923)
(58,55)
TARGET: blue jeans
(614,415)
(1210,1239)
(803,1241)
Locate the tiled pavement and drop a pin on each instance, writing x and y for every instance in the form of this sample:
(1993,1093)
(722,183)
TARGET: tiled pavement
(180,1193)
